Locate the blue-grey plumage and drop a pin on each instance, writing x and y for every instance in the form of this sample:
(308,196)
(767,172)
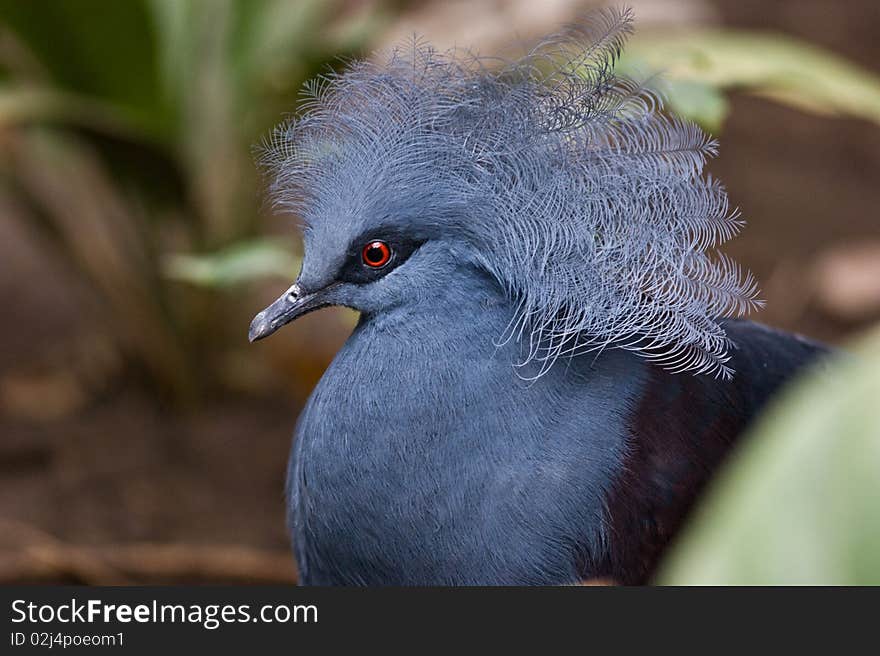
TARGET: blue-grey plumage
(423,458)
(525,398)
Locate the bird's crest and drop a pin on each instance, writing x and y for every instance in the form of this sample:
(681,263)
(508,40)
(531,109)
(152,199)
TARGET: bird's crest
(568,184)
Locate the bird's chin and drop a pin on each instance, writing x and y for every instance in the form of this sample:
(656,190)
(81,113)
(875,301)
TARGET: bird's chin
(291,305)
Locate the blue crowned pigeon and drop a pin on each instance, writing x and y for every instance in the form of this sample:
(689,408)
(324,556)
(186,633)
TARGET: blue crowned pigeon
(549,363)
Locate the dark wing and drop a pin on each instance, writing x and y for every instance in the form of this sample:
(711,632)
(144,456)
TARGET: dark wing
(681,432)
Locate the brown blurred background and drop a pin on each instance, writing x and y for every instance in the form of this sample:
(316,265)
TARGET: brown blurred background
(141,438)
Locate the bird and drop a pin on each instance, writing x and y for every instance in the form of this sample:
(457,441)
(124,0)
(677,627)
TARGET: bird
(552,356)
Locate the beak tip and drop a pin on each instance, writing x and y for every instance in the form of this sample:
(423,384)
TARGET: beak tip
(259,328)
(287,307)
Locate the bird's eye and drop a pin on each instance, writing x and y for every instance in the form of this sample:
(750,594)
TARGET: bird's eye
(376,254)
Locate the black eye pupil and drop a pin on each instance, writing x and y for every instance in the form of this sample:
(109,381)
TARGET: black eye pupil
(376,254)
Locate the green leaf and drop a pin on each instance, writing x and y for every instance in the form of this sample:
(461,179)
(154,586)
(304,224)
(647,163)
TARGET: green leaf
(106,50)
(245,262)
(775,66)
(800,502)
(26,104)
(698,101)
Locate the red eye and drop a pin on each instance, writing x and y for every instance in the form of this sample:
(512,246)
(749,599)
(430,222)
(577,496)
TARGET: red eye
(376,254)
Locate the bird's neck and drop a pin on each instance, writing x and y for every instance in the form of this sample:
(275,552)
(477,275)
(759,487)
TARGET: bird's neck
(460,301)
(423,438)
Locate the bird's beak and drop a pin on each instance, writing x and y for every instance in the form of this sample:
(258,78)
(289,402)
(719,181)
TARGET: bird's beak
(293,303)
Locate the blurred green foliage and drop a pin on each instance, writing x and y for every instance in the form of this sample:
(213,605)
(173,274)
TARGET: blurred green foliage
(699,66)
(234,265)
(126,131)
(800,503)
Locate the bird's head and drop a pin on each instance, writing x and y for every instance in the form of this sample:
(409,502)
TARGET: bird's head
(565,183)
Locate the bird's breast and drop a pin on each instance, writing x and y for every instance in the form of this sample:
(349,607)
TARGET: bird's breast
(419,462)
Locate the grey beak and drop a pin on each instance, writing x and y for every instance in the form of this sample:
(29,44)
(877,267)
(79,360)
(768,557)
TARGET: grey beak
(292,304)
